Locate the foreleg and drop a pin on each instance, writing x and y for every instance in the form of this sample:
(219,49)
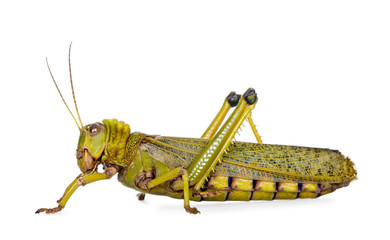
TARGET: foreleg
(81,180)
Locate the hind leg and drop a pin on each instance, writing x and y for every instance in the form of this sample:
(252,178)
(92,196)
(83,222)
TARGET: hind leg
(231,101)
(206,161)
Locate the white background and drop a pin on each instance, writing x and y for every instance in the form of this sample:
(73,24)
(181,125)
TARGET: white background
(321,70)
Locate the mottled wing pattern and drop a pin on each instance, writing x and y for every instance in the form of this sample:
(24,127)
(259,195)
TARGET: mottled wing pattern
(260,161)
(180,152)
(283,163)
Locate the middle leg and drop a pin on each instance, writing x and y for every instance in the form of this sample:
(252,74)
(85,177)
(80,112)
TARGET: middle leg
(148,183)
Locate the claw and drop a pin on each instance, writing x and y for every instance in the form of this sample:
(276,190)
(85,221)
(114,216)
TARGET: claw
(49,210)
(141,196)
(191,210)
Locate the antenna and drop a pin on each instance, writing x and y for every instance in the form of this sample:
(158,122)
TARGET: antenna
(47,63)
(71,84)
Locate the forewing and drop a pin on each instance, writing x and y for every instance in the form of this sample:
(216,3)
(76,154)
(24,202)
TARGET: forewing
(258,161)
(174,152)
(286,163)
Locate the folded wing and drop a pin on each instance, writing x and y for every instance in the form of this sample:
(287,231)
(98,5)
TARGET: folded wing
(265,162)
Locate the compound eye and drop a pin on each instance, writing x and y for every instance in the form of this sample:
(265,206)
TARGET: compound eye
(94,129)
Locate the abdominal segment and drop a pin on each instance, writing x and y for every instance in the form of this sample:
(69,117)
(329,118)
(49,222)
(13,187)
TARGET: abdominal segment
(240,189)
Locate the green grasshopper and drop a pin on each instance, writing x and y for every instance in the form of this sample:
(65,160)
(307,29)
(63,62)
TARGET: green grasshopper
(211,168)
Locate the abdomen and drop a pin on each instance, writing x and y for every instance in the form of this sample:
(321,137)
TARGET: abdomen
(240,189)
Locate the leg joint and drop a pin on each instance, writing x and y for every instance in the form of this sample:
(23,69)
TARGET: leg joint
(250,96)
(233,99)
(142,180)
